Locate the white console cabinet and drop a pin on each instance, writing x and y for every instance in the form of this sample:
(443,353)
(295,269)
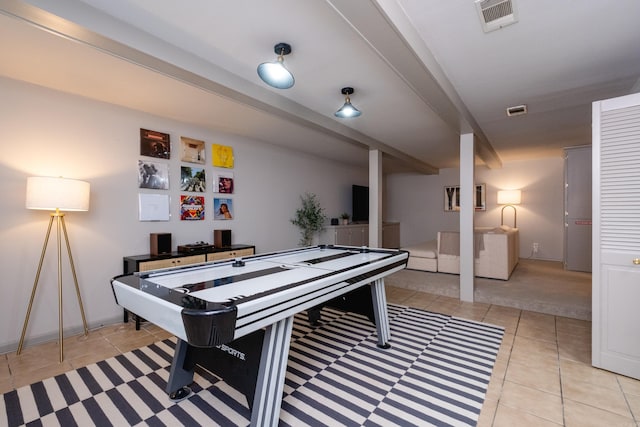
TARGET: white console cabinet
(358,235)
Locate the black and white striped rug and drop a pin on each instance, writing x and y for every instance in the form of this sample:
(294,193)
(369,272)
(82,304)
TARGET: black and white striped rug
(436,373)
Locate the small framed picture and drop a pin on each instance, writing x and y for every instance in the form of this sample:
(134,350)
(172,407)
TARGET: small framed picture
(191,208)
(222,156)
(223,183)
(222,208)
(155,144)
(452,198)
(192,179)
(192,150)
(479,198)
(153,175)
(153,207)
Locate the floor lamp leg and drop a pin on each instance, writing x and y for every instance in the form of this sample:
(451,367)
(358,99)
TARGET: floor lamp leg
(60,322)
(75,278)
(35,286)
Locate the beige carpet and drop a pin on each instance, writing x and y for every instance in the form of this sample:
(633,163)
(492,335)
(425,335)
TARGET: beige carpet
(534,285)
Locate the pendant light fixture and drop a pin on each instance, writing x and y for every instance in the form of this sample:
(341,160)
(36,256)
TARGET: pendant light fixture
(274,73)
(347,110)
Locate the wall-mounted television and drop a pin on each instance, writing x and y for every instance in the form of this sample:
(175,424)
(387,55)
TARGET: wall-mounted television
(360,203)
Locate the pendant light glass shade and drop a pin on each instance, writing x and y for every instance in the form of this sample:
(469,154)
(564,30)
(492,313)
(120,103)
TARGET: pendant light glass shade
(347,110)
(274,73)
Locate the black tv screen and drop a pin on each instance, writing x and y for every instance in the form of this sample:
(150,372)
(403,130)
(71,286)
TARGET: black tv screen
(360,202)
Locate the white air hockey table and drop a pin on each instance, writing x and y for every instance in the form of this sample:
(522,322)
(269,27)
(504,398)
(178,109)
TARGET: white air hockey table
(235,317)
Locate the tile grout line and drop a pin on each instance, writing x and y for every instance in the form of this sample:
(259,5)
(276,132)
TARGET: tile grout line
(555,324)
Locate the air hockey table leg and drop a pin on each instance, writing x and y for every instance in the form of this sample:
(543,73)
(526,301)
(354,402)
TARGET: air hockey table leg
(273,366)
(179,377)
(379,301)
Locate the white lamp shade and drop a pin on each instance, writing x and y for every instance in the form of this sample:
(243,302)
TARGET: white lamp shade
(48,193)
(509,197)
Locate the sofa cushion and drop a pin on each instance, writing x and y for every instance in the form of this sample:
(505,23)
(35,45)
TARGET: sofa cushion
(423,250)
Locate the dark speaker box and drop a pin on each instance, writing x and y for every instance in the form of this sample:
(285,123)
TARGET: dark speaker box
(159,243)
(221,238)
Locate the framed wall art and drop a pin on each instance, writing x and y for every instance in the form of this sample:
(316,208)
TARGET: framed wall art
(452,198)
(192,150)
(155,144)
(153,175)
(153,207)
(222,156)
(223,182)
(191,208)
(222,208)
(192,179)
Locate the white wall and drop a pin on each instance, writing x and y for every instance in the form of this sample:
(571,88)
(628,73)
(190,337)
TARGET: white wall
(48,133)
(417,201)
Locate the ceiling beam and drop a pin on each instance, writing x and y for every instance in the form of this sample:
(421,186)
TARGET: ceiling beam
(386,28)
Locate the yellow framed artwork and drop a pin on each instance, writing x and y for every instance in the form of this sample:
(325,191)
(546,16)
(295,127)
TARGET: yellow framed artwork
(222,156)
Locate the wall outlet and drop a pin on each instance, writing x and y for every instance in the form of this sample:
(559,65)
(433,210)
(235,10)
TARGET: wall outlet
(536,247)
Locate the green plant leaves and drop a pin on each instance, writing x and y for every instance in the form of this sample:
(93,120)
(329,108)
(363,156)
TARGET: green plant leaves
(310,218)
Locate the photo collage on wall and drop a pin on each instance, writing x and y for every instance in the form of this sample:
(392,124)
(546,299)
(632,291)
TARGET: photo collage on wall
(223,181)
(153,174)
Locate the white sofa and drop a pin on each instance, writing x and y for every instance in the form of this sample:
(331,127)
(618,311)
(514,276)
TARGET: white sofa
(423,256)
(496,251)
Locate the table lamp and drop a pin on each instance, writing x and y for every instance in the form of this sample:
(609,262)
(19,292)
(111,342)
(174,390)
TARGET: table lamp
(509,198)
(56,194)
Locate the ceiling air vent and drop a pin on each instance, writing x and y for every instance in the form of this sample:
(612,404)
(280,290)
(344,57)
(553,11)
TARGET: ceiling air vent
(518,110)
(495,14)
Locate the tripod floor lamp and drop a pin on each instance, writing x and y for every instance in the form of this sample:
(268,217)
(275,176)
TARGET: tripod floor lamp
(56,194)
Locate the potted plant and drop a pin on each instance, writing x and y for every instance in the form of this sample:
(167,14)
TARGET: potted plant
(345,218)
(310,218)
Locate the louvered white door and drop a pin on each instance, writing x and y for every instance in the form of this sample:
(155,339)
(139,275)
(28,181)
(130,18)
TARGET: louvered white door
(616,235)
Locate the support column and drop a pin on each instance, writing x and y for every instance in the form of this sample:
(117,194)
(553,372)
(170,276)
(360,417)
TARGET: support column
(467,187)
(375,198)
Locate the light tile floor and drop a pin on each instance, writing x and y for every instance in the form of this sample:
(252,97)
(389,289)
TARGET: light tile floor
(542,377)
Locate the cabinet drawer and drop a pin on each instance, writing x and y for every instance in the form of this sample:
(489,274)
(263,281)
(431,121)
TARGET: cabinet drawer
(216,256)
(171,262)
(244,252)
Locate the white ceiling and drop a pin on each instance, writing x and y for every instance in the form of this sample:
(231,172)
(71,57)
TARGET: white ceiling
(423,70)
